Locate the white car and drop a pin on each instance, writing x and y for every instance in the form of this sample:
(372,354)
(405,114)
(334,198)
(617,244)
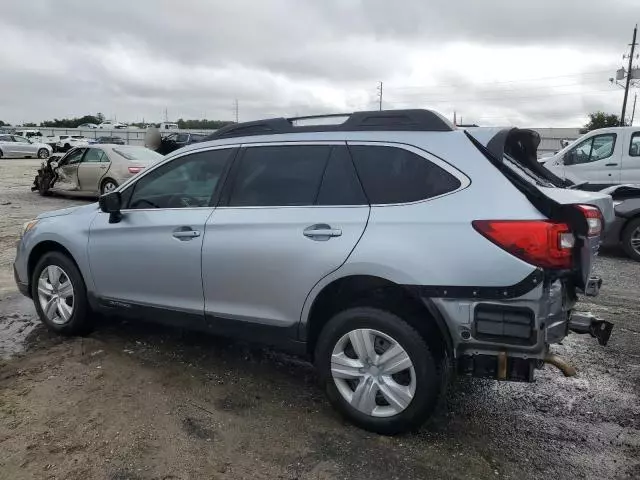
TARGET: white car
(111,125)
(67,142)
(88,125)
(17,146)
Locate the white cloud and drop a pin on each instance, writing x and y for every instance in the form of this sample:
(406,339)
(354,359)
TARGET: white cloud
(540,64)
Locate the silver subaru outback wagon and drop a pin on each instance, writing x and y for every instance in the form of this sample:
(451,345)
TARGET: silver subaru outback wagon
(391,248)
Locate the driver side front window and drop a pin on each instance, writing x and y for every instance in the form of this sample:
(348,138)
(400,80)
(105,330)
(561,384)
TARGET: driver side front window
(185,182)
(593,149)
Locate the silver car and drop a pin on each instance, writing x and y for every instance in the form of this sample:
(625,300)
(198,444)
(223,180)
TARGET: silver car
(94,170)
(391,249)
(16,146)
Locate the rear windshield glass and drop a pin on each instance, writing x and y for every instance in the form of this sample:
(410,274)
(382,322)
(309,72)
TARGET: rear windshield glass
(138,154)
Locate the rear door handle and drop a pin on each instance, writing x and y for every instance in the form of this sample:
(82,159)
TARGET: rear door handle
(185,233)
(610,164)
(321,231)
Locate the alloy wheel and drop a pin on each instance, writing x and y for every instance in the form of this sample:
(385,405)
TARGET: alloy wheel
(635,240)
(56,294)
(43,153)
(109,186)
(373,372)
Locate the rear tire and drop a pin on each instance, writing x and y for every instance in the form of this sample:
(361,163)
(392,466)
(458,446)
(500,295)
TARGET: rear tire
(399,401)
(0,153)
(60,295)
(631,239)
(43,153)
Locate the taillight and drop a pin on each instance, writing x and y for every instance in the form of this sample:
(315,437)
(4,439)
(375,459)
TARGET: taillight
(542,243)
(594,219)
(135,169)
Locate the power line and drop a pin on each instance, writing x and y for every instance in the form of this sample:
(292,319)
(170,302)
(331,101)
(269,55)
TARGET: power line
(504,97)
(464,85)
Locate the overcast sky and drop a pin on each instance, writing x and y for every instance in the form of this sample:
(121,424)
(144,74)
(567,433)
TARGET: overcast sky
(495,62)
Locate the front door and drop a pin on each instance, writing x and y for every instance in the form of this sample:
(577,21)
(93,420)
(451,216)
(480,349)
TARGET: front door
(94,165)
(68,170)
(292,214)
(22,147)
(152,256)
(595,160)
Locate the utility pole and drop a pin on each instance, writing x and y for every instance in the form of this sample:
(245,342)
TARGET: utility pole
(236,108)
(626,88)
(380,96)
(633,112)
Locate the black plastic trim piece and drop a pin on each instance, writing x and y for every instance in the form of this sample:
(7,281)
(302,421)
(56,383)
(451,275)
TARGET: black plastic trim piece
(384,120)
(285,338)
(530,282)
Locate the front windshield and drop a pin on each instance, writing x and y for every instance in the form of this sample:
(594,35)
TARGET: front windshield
(138,154)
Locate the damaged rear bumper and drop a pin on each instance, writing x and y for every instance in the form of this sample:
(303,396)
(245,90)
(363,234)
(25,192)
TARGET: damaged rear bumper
(510,339)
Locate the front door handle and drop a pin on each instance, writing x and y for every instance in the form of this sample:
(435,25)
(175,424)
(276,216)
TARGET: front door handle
(610,164)
(185,233)
(321,231)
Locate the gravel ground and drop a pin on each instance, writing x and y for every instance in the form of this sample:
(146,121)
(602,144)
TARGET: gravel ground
(138,401)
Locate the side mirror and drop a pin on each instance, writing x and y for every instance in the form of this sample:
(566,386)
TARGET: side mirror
(111,203)
(569,158)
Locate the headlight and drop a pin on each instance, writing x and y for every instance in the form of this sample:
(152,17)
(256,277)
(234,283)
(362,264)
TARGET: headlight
(28,226)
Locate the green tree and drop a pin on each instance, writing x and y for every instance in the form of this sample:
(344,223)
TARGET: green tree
(70,122)
(601,120)
(100,117)
(29,124)
(2,124)
(202,124)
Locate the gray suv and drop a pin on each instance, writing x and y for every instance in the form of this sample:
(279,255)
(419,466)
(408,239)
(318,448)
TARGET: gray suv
(391,247)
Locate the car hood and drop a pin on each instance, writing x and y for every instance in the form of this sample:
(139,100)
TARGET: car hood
(69,211)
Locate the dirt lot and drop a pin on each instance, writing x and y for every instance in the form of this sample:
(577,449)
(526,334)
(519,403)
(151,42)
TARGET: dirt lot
(135,401)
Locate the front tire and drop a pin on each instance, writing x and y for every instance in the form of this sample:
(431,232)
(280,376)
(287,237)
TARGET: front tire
(631,239)
(108,185)
(60,295)
(377,370)
(43,153)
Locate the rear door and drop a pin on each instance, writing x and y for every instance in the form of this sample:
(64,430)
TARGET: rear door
(91,169)
(291,214)
(631,157)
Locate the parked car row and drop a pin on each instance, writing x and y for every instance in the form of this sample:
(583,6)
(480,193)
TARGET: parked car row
(391,249)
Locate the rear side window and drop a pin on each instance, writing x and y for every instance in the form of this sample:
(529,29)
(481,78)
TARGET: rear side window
(395,175)
(282,175)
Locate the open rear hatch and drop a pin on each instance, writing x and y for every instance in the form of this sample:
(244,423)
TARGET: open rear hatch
(513,151)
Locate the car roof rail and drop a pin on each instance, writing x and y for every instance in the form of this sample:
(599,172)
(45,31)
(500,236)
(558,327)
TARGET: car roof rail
(378,120)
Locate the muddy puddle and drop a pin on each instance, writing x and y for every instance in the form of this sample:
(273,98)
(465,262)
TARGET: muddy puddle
(17,322)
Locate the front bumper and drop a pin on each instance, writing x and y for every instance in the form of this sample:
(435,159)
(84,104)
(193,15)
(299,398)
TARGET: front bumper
(23,287)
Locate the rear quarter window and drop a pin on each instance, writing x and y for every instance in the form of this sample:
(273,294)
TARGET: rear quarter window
(394,175)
